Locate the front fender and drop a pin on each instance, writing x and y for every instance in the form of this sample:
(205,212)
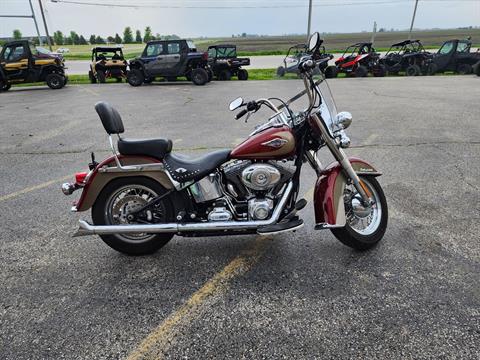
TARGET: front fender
(97,180)
(328,194)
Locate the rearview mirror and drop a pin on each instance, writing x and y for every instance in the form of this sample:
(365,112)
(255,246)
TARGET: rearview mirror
(235,104)
(314,41)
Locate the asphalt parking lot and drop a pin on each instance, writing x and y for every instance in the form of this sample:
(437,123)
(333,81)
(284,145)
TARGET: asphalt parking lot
(299,295)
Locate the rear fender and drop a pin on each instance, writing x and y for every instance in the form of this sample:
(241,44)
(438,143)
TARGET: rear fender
(97,180)
(328,194)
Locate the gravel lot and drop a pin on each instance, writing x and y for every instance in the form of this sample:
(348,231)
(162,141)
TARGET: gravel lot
(296,295)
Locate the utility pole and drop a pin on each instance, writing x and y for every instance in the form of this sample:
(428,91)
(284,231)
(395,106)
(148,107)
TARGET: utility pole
(413,20)
(36,24)
(45,24)
(309,18)
(27,17)
(374,32)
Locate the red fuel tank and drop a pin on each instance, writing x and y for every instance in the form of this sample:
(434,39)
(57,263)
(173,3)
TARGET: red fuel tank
(274,143)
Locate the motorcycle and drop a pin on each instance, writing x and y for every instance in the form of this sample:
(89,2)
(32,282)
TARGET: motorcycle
(144,194)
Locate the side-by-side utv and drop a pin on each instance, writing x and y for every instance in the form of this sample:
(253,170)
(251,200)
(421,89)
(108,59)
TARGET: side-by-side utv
(357,60)
(296,53)
(455,55)
(21,62)
(224,62)
(107,63)
(408,56)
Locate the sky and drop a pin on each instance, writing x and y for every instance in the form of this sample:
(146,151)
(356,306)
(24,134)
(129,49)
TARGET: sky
(216,18)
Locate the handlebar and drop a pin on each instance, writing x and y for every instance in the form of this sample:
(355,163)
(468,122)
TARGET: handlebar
(240,114)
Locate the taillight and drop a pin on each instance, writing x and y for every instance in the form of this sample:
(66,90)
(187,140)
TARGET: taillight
(80,177)
(205,56)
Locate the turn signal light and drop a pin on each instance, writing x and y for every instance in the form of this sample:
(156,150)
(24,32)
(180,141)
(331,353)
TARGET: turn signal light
(80,177)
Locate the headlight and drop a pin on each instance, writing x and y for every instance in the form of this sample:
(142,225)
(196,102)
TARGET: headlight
(342,121)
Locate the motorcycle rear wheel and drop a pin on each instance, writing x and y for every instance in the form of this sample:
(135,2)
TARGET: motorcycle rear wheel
(364,227)
(124,195)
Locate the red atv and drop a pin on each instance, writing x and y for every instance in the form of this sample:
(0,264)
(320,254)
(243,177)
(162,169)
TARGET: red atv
(358,60)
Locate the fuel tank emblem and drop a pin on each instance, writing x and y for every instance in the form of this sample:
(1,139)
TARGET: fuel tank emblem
(276,143)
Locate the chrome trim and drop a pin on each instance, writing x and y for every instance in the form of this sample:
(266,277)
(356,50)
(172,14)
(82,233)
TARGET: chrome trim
(140,167)
(323,226)
(280,231)
(206,189)
(88,229)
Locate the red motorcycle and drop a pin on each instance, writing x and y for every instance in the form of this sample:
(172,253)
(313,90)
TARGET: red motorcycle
(144,194)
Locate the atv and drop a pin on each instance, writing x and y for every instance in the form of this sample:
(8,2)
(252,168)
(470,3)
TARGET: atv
(21,62)
(170,59)
(454,55)
(224,62)
(295,55)
(408,56)
(358,60)
(107,62)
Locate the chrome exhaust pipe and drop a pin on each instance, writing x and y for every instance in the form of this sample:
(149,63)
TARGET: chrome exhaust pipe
(87,229)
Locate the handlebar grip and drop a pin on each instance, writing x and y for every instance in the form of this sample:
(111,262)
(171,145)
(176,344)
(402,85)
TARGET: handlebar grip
(240,114)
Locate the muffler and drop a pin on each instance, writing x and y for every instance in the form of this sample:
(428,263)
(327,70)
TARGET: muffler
(87,229)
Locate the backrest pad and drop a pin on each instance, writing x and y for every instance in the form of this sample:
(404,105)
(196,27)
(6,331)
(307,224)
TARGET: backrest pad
(111,120)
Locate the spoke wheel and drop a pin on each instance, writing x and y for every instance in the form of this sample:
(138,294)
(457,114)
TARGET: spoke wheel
(363,220)
(365,225)
(117,201)
(126,200)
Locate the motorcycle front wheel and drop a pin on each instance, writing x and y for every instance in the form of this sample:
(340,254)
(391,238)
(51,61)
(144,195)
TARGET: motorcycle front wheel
(365,226)
(121,197)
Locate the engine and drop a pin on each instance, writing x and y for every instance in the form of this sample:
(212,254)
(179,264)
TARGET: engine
(256,185)
(245,191)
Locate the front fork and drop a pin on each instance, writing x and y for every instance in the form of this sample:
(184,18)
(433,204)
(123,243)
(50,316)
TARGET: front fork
(342,158)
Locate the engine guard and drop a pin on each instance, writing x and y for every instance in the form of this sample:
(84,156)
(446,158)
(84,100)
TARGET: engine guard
(328,194)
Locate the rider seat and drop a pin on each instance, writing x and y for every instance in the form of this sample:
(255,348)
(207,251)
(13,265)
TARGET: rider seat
(184,169)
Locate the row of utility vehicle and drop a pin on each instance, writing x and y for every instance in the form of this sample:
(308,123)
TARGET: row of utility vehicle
(21,62)
(408,56)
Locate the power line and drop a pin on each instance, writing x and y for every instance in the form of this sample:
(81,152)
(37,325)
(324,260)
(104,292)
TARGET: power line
(243,6)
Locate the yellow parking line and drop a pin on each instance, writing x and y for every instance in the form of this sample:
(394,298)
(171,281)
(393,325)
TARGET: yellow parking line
(161,338)
(33,188)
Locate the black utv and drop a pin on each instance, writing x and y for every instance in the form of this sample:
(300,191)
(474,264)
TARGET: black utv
(170,59)
(224,62)
(454,55)
(21,62)
(408,56)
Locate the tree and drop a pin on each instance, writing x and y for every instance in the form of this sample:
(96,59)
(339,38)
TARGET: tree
(99,40)
(75,38)
(17,35)
(68,40)
(127,35)
(138,37)
(244,34)
(148,34)
(82,40)
(93,39)
(110,39)
(58,37)
(118,39)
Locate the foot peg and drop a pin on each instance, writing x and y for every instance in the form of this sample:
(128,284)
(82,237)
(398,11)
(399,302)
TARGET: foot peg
(300,204)
(283,226)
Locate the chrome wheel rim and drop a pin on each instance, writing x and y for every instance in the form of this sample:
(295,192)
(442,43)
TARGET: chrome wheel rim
(363,220)
(125,200)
